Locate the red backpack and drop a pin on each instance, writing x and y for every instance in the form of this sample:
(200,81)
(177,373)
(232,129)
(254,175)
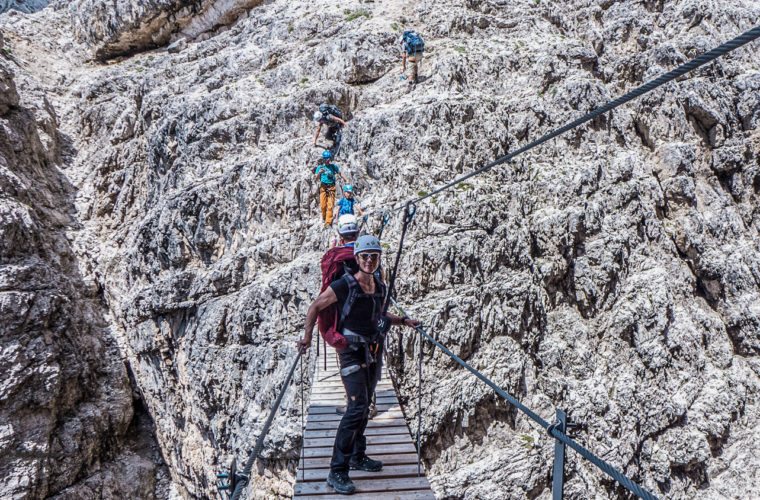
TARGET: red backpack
(334,263)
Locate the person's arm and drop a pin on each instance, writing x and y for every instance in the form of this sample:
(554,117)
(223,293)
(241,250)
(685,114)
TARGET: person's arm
(356,205)
(325,299)
(316,174)
(316,136)
(343,177)
(339,120)
(404,69)
(398,321)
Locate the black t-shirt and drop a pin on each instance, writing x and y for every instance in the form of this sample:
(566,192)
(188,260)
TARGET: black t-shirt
(366,310)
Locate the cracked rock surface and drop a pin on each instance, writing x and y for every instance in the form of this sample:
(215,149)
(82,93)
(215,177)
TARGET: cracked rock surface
(613,272)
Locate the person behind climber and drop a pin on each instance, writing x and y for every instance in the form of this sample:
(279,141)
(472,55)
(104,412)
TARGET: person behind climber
(360,362)
(413,48)
(348,203)
(325,174)
(348,230)
(333,118)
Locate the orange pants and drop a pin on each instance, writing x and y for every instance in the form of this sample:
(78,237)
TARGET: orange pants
(327,201)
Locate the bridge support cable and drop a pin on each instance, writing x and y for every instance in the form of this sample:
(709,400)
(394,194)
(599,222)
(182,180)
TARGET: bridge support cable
(695,63)
(241,480)
(552,429)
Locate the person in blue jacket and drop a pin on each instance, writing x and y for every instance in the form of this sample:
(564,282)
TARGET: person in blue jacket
(348,203)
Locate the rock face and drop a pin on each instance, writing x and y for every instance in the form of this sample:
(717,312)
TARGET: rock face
(66,405)
(613,273)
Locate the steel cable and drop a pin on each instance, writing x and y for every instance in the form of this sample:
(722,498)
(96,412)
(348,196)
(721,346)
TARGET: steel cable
(601,464)
(727,47)
(244,478)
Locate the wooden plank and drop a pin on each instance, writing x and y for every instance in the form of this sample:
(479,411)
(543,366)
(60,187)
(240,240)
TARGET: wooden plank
(389,471)
(312,442)
(371,431)
(372,449)
(364,486)
(395,459)
(341,391)
(372,423)
(406,495)
(318,410)
(340,400)
(325,417)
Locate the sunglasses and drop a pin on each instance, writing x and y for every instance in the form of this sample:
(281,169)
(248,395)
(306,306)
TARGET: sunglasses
(369,256)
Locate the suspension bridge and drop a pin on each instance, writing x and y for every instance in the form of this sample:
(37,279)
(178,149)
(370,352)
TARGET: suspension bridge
(388,437)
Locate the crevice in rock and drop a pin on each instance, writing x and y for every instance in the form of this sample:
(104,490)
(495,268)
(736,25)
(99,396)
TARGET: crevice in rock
(472,423)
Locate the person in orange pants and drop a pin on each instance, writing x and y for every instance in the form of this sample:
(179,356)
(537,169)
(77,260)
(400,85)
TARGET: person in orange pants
(325,174)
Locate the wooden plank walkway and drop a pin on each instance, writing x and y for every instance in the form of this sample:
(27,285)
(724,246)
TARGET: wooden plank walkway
(388,440)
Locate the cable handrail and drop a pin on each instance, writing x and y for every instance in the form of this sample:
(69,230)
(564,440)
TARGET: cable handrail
(242,480)
(695,63)
(550,428)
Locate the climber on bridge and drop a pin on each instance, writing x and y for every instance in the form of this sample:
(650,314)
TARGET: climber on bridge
(332,116)
(359,297)
(348,203)
(412,47)
(325,174)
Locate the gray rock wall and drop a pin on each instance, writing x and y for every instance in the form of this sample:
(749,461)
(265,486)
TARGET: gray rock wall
(612,273)
(67,423)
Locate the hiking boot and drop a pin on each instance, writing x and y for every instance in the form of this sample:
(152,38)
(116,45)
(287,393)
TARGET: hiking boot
(341,482)
(365,463)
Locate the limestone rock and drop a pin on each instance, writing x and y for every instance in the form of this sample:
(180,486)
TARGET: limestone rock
(612,272)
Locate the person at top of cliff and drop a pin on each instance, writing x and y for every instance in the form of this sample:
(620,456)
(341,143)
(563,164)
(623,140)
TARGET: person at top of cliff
(412,48)
(348,203)
(330,115)
(325,174)
(360,360)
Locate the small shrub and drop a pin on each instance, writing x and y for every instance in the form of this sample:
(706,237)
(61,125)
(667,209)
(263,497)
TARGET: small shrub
(357,13)
(394,27)
(421,193)
(460,49)
(304,80)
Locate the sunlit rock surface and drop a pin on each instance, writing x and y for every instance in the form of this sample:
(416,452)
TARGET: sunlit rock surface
(613,272)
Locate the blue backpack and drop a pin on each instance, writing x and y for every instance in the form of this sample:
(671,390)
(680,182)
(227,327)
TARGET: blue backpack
(413,43)
(329,109)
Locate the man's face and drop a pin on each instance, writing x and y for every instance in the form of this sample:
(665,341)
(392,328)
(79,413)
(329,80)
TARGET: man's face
(368,261)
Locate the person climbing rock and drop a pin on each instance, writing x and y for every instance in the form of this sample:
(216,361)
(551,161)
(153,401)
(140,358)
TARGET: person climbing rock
(325,174)
(360,361)
(348,203)
(413,48)
(330,115)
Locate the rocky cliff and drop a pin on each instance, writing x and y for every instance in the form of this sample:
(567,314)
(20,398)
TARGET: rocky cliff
(613,273)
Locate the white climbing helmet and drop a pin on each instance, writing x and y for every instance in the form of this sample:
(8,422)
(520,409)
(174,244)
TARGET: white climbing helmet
(367,243)
(347,224)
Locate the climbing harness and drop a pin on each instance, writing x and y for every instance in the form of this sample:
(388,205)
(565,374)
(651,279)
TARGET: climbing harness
(557,429)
